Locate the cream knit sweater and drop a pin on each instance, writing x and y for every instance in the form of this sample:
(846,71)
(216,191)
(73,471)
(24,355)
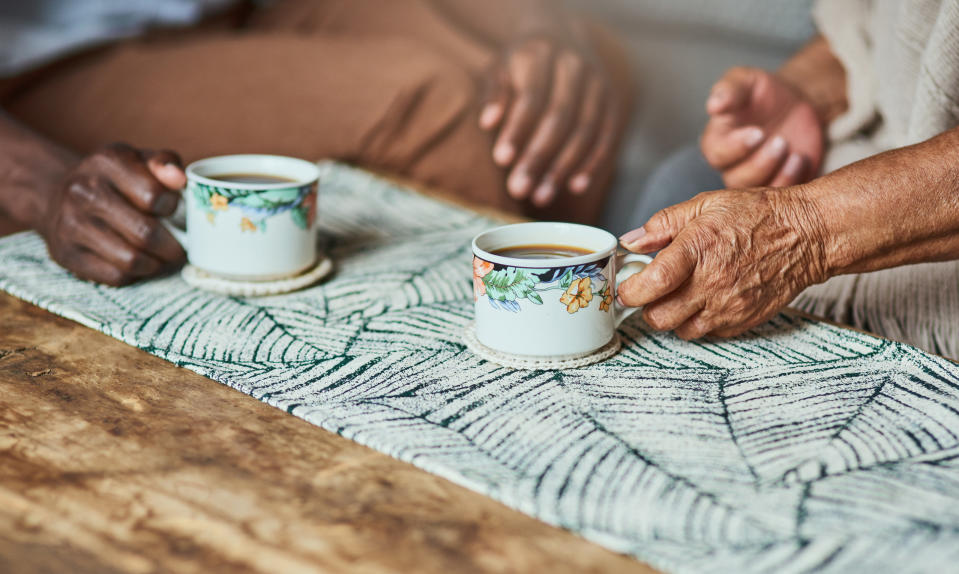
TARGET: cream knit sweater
(902,65)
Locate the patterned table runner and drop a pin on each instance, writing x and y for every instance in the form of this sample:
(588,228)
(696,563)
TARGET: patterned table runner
(798,447)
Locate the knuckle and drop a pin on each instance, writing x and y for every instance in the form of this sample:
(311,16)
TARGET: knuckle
(660,276)
(86,188)
(146,233)
(654,320)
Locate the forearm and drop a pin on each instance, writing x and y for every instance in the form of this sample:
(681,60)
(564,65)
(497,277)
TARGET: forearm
(30,169)
(891,209)
(817,74)
(497,21)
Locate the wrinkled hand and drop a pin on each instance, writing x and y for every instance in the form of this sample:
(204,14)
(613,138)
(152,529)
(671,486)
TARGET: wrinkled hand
(552,103)
(729,260)
(761,131)
(101,223)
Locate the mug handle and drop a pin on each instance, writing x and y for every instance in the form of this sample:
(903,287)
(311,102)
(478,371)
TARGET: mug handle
(627,265)
(176,223)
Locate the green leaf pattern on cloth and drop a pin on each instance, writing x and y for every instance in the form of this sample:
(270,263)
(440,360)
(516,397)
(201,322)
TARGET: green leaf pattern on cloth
(799,447)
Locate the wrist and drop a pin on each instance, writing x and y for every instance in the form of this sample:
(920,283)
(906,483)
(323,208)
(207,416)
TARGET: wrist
(818,78)
(836,205)
(806,216)
(34,184)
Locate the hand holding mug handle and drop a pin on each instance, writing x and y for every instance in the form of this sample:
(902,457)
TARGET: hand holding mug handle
(627,265)
(176,224)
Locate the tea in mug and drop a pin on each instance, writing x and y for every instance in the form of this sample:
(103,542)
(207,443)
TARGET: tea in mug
(541,251)
(256,178)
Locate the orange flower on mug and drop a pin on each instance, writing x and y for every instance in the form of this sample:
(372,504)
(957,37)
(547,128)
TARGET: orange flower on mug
(607,296)
(247,225)
(219,202)
(480,269)
(577,295)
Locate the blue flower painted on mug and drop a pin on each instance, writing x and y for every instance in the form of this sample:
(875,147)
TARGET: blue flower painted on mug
(505,287)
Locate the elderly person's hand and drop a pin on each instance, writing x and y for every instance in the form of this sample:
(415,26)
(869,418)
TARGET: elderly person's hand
(728,261)
(557,119)
(101,222)
(761,131)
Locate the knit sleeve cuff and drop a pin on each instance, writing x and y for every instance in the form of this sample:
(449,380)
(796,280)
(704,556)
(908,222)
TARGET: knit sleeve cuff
(845,25)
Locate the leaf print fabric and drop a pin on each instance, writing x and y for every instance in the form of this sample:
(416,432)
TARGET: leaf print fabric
(800,447)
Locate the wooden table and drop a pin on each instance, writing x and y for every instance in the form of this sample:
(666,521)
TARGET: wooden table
(113,460)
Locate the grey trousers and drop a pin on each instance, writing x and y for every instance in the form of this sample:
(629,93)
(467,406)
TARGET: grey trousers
(914,304)
(683,175)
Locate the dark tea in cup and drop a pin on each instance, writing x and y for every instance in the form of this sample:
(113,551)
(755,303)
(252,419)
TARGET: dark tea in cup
(542,251)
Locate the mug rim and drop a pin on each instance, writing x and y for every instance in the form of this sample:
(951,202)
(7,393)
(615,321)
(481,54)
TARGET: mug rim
(191,173)
(596,255)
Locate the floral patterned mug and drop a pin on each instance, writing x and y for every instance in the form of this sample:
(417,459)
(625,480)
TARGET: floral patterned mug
(553,307)
(250,231)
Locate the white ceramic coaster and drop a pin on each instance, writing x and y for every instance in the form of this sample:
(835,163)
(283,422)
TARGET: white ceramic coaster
(202,280)
(524,362)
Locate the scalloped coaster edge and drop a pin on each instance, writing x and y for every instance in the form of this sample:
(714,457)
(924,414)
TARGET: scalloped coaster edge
(527,363)
(200,279)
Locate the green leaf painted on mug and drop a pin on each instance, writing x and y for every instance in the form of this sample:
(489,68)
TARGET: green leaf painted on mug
(202,194)
(510,283)
(534,297)
(279,196)
(566,280)
(268,199)
(299,217)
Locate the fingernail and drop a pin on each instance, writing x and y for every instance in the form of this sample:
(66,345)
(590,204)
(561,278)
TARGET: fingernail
(170,173)
(166,204)
(633,236)
(170,169)
(580,183)
(793,165)
(518,184)
(776,147)
(752,136)
(489,115)
(503,154)
(543,194)
(620,301)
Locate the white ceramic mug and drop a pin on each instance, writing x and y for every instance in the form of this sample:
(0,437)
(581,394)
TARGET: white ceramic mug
(250,231)
(552,307)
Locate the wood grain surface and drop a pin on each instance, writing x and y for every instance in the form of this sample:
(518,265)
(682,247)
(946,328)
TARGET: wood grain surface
(112,460)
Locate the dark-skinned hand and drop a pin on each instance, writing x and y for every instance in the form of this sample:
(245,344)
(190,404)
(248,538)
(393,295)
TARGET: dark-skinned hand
(761,131)
(729,260)
(551,103)
(102,222)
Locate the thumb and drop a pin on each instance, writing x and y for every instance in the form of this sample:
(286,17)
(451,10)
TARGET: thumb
(663,226)
(167,167)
